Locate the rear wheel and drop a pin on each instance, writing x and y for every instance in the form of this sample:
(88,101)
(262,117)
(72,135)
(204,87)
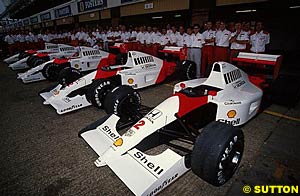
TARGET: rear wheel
(187,70)
(68,75)
(217,153)
(30,61)
(38,62)
(98,91)
(123,101)
(51,71)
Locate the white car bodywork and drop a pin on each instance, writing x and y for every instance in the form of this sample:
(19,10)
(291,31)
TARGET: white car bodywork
(87,60)
(141,70)
(48,47)
(56,51)
(235,92)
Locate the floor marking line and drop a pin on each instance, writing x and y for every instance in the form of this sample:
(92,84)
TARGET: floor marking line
(281,115)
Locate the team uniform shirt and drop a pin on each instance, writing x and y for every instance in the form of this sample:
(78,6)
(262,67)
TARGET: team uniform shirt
(125,36)
(35,38)
(164,40)
(241,37)
(169,32)
(209,34)
(259,40)
(9,39)
(155,38)
(173,37)
(147,37)
(188,40)
(40,36)
(73,37)
(28,38)
(91,40)
(20,38)
(140,37)
(116,34)
(197,40)
(46,38)
(180,39)
(222,38)
(104,36)
(133,34)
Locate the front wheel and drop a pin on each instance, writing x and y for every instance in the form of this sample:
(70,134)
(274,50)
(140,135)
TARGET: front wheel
(217,153)
(39,62)
(51,71)
(68,75)
(98,91)
(123,101)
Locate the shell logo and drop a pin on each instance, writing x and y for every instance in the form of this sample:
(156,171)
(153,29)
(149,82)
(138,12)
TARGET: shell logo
(76,66)
(130,81)
(231,114)
(118,142)
(56,93)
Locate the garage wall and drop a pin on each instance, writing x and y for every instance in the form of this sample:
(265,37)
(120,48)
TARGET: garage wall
(89,16)
(158,6)
(105,14)
(231,2)
(64,21)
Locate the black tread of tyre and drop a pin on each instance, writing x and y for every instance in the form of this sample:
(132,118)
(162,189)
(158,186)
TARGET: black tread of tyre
(68,75)
(208,149)
(186,69)
(48,75)
(38,62)
(115,98)
(92,95)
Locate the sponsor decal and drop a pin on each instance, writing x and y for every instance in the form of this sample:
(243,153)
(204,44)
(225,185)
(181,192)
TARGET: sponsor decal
(232,102)
(238,83)
(231,114)
(148,66)
(230,122)
(86,5)
(149,165)
(34,20)
(153,115)
(76,66)
(130,81)
(163,185)
(118,141)
(64,11)
(71,108)
(45,16)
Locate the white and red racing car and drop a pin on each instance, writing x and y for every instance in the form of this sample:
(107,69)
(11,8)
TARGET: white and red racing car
(39,57)
(49,47)
(219,103)
(141,70)
(67,70)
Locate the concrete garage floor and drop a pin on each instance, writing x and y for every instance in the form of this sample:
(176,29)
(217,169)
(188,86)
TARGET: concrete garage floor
(41,153)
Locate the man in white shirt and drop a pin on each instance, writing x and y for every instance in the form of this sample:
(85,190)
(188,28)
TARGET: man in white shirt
(180,36)
(147,35)
(141,36)
(197,44)
(221,49)
(238,40)
(173,36)
(10,42)
(208,49)
(164,38)
(155,36)
(187,41)
(259,39)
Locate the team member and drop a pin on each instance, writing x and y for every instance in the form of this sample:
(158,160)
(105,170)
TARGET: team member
(197,43)
(173,36)
(147,35)
(259,39)
(187,42)
(141,35)
(238,40)
(164,38)
(155,36)
(221,49)
(208,48)
(10,42)
(180,36)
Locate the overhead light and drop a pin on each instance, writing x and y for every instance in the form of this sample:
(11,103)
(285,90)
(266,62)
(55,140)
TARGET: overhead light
(294,7)
(157,17)
(177,16)
(244,11)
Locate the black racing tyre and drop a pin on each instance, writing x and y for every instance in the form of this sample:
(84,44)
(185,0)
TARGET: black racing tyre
(68,75)
(123,101)
(187,70)
(23,55)
(217,152)
(51,71)
(98,91)
(38,62)
(30,60)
